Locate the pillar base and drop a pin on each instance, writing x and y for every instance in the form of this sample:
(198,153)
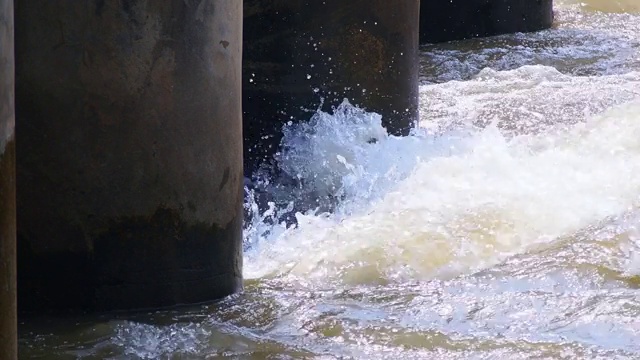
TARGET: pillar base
(303,55)
(447,20)
(129,153)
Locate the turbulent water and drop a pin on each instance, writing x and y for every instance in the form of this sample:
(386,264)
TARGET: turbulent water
(507,226)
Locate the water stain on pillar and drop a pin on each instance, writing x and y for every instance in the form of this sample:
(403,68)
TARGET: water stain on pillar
(300,56)
(8,306)
(446,20)
(129,153)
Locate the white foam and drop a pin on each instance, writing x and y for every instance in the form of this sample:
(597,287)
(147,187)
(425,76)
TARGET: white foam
(457,203)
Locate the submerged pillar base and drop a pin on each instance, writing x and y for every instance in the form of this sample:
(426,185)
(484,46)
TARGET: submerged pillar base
(8,306)
(446,20)
(129,153)
(300,56)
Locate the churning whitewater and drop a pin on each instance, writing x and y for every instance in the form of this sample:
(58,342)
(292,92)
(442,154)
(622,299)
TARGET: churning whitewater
(505,227)
(440,204)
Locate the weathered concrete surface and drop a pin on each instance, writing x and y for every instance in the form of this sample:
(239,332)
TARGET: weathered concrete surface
(297,52)
(445,20)
(129,153)
(8,319)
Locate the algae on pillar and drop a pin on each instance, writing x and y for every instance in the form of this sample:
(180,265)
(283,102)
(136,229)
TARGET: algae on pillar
(446,20)
(129,153)
(300,53)
(8,318)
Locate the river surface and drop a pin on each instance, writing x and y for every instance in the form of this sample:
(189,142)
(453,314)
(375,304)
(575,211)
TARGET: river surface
(506,227)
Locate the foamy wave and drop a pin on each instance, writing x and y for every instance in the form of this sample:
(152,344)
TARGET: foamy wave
(465,211)
(517,101)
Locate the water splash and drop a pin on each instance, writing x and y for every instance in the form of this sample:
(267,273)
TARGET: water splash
(335,165)
(439,205)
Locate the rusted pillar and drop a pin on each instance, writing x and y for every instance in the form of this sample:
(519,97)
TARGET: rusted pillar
(445,20)
(300,53)
(8,319)
(129,157)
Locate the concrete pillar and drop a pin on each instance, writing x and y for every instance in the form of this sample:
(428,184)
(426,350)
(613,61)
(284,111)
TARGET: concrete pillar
(129,153)
(8,319)
(445,20)
(297,52)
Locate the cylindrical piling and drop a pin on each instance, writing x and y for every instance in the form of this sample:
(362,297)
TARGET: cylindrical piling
(8,319)
(299,55)
(446,20)
(129,158)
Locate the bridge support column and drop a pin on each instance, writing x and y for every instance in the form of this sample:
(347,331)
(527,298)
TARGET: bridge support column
(446,20)
(299,52)
(8,319)
(129,157)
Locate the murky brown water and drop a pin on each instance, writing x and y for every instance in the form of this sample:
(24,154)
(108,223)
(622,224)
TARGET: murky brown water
(506,229)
